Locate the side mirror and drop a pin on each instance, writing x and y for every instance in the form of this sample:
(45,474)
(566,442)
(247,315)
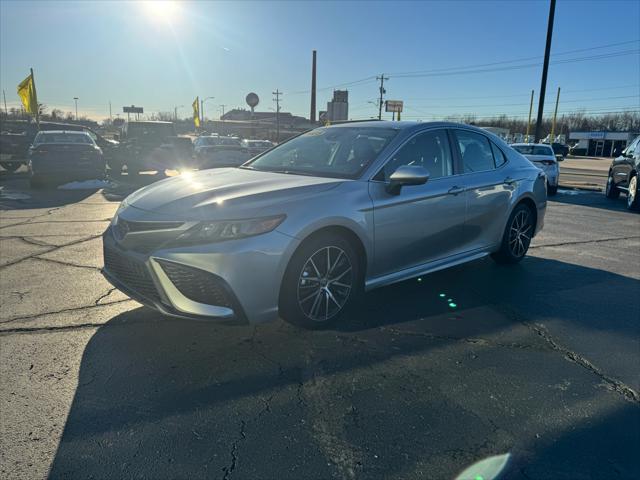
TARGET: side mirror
(406,175)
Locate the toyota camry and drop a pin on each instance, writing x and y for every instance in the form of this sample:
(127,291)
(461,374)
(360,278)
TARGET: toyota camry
(303,230)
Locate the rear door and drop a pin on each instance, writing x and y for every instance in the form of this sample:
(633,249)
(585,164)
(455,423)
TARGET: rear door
(422,223)
(622,166)
(488,187)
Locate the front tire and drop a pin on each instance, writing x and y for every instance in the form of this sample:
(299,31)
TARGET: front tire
(323,281)
(517,236)
(551,190)
(611,191)
(633,202)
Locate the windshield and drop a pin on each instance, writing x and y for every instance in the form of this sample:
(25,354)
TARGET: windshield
(533,150)
(51,137)
(341,152)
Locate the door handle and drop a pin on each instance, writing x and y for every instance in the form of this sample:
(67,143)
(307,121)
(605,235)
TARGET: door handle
(509,181)
(455,190)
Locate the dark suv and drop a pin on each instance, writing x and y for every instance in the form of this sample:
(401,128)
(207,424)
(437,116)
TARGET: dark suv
(151,145)
(623,175)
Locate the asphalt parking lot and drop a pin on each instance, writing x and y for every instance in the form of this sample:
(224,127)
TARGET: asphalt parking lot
(539,360)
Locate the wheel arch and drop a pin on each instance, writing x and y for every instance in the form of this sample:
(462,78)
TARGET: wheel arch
(337,229)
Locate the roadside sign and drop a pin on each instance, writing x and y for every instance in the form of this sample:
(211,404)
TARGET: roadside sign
(393,105)
(132,109)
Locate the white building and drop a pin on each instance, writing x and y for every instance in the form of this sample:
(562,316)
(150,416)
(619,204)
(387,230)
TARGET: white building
(338,107)
(601,144)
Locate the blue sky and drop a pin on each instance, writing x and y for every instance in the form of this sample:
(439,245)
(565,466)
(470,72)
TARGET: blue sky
(130,53)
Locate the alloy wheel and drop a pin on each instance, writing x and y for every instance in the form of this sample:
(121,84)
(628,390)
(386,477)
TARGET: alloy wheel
(520,233)
(633,191)
(325,283)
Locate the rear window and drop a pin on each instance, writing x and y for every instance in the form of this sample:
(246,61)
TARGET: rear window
(50,137)
(534,149)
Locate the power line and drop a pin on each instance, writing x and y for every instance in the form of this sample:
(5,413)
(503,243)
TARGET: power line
(476,97)
(462,71)
(515,60)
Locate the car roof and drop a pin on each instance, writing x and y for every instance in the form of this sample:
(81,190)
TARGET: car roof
(149,122)
(66,132)
(530,145)
(405,125)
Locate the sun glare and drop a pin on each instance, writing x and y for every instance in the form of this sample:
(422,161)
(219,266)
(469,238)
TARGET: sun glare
(164,11)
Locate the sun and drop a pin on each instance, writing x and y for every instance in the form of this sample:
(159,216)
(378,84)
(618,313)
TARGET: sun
(164,11)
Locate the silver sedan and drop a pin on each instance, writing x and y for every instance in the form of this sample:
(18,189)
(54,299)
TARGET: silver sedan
(304,229)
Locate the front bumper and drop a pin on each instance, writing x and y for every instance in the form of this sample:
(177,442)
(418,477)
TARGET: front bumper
(244,276)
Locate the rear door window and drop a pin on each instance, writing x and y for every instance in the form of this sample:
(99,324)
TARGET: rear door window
(475,150)
(498,156)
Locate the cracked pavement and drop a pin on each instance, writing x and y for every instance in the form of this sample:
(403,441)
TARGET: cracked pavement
(540,360)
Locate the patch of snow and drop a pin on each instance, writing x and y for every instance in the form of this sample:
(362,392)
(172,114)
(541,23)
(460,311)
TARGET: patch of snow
(13,195)
(85,185)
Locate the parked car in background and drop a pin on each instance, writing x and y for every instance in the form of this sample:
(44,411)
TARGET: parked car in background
(256,147)
(18,136)
(60,156)
(151,145)
(219,151)
(543,157)
(623,175)
(560,149)
(303,229)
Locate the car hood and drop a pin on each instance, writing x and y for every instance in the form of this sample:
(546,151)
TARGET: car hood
(225,193)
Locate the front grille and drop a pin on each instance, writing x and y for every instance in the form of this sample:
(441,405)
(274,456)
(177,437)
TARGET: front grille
(126,226)
(132,273)
(197,285)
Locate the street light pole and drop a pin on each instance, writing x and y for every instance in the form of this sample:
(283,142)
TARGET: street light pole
(202,109)
(76,100)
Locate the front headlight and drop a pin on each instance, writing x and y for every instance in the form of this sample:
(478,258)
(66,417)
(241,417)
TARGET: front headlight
(114,220)
(208,232)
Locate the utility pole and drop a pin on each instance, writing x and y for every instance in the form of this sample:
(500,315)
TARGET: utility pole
(5,103)
(110,116)
(555,114)
(277,100)
(545,68)
(312,116)
(382,78)
(529,122)
(222,116)
(76,100)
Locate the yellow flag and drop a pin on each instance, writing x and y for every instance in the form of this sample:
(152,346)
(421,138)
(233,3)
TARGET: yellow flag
(27,93)
(196,112)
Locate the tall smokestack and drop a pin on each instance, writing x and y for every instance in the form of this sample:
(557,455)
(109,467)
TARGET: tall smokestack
(312,117)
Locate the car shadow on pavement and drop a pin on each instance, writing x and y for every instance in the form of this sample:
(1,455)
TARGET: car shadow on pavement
(590,199)
(167,398)
(27,198)
(124,185)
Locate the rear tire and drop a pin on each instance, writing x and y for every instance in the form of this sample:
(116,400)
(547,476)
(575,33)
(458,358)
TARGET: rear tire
(322,283)
(611,191)
(517,236)
(552,190)
(633,202)
(11,166)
